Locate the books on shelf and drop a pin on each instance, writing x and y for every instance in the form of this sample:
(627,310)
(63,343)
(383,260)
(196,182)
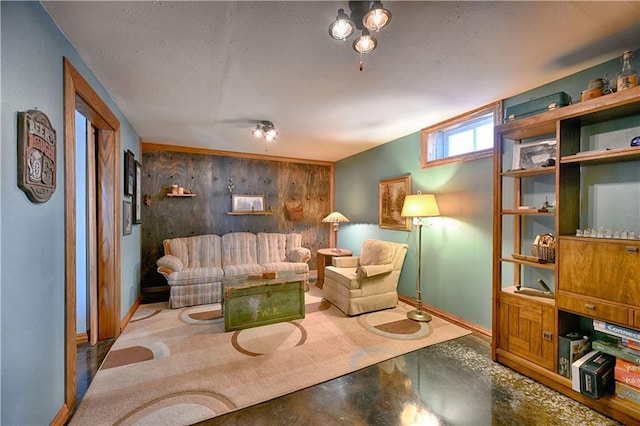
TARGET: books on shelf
(616,330)
(571,346)
(627,373)
(628,393)
(614,348)
(596,375)
(631,344)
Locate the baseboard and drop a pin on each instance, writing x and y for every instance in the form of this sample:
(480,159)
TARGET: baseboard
(62,417)
(447,316)
(132,311)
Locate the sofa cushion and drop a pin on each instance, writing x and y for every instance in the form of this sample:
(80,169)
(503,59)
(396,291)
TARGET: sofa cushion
(239,248)
(198,251)
(376,252)
(196,276)
(271,247)
(242,269)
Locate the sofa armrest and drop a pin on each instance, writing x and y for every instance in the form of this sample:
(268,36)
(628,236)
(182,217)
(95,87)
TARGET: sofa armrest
(373,270)
(346,262)
(299,254)
(168,264)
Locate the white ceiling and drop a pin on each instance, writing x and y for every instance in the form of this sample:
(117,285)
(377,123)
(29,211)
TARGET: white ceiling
(202,74)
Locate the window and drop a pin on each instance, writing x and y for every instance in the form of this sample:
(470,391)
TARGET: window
(463,138)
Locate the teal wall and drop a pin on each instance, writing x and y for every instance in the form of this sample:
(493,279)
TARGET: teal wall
(457,248)
(32,275)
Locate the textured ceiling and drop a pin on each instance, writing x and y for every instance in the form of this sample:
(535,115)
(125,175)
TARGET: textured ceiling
(202,74)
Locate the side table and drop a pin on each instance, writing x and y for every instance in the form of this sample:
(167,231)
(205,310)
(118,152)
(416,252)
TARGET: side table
(324,256)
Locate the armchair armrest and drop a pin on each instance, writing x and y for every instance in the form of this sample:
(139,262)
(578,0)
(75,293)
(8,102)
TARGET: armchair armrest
(373,270)
(299,254)
(168,264)
(346,262)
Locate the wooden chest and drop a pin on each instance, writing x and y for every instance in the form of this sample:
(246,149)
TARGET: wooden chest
(251,303)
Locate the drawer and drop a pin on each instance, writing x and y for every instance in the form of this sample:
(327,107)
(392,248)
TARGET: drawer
(598,310)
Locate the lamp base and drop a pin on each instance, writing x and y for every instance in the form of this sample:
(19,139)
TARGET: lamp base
(419,315)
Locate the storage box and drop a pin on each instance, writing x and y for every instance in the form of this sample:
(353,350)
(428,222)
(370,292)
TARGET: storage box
(262,303)
(571,347)
(538,105)
(575,369)
(596,375)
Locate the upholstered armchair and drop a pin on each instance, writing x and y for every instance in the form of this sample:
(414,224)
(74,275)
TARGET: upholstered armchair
(367,282)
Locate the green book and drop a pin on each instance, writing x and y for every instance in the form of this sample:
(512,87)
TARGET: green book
(616,350)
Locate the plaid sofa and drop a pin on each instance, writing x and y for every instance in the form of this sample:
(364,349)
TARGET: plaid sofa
(194,266)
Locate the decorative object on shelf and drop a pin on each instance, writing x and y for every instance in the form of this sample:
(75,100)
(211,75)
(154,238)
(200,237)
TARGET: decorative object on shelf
(147,200)
(335,218)
(129,172)
(594,90)
(544,247)
(527,156)
(373,19)
(247,203)
(391,195)
(635,141)
(417,207)
(137,199)
(294,210)
(126,218)
(628,76)
(538,105)
(266,130)
(36,156)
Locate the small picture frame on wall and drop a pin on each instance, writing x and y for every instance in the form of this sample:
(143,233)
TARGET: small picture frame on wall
(129,172)
(247,203)
(137,198)
(126,218)
(391,195)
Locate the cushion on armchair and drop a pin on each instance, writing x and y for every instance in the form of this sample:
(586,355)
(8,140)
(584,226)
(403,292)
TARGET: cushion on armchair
(376,252)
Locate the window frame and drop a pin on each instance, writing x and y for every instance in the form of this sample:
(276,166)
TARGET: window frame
(451,124)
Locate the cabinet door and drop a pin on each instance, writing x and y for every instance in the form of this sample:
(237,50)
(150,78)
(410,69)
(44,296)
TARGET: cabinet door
(527,329)
(607,270)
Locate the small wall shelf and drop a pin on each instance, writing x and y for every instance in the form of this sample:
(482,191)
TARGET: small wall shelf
(180,195)
(256,213)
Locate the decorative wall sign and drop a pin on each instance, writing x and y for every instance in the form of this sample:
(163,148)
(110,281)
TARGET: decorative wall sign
(36,156)
(129,172)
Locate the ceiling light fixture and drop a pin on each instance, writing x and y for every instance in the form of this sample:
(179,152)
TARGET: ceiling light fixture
(374,18)
(265,129)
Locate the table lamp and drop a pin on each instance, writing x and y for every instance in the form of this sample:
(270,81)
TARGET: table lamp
(335,218)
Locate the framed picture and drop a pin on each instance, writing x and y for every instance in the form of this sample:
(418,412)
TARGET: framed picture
(391,195)
(129,172)
(247,203)
(137,199)
(533,155)
(126,218)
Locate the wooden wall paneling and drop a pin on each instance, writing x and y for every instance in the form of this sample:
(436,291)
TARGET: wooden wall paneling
(208,177)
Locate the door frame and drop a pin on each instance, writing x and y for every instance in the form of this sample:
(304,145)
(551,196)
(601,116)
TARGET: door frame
(79,95)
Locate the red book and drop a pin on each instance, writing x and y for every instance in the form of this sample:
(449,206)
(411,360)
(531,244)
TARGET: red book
(627,373)
(631,344)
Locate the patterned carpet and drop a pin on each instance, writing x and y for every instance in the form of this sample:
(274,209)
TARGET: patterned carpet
(180,367)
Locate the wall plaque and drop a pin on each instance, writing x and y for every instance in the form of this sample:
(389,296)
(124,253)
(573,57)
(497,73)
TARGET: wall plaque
(36,156)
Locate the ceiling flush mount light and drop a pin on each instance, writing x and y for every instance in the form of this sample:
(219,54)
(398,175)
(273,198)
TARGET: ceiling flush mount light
(371,18)
(342,27)
(377,18)
(265,129)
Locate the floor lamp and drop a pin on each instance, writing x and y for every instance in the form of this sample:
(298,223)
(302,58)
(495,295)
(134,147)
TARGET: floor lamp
(417,207)
(335,218)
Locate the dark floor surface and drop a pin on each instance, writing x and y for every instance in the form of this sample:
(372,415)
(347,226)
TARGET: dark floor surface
(452,383)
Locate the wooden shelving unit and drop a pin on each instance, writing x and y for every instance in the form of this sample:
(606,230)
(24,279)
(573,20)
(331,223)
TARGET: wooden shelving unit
(256,213)
(526,328)
(180,195)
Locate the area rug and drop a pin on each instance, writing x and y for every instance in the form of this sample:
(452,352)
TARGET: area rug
(178,366)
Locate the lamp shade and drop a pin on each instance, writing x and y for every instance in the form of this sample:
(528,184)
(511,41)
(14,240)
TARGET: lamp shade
(420,205)
(335,217)
(377,18)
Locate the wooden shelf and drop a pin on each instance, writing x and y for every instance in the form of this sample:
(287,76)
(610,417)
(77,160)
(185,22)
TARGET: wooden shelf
(257,213)
(527,262)
(180,195)
(531,172)
(604,156)
(546,300)
(529,212)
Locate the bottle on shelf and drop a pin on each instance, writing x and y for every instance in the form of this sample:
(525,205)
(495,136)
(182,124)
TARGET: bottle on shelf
(628,77)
